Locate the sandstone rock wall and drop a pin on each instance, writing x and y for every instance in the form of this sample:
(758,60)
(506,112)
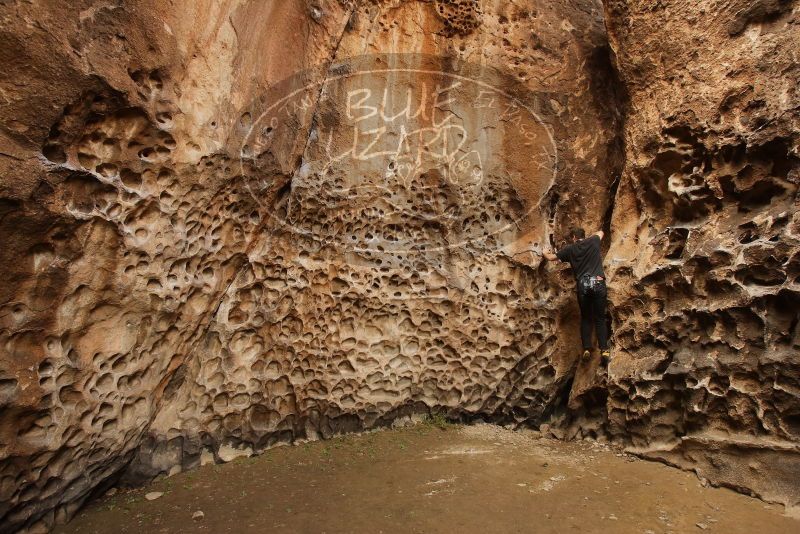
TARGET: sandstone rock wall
(231,224)
(705,252)
(384,282)
(186,279)
(124,219)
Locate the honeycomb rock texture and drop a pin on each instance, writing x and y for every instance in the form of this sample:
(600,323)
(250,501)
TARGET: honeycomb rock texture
(460,16)
(705,253)
(228,225)
(188,277)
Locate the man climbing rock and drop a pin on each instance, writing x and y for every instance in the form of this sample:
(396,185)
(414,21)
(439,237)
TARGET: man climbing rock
(584,255)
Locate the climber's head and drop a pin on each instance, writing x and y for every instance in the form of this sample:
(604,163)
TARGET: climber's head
(576,234)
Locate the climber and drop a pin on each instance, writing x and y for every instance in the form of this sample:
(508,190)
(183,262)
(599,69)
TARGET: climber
(584,255)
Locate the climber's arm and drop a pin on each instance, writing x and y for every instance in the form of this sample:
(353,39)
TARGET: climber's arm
(599,234)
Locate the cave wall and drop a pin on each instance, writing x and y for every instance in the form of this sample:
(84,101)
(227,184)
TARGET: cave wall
(232,224)
(704,258)
(124,220)
(189,280)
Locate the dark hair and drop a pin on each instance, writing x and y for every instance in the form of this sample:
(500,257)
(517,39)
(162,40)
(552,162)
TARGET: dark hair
(576,233)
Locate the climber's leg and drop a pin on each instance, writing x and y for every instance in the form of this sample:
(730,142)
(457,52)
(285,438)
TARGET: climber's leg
(599,298)
(585,304)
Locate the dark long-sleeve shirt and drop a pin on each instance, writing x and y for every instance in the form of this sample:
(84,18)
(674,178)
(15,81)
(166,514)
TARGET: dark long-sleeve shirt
(584,257)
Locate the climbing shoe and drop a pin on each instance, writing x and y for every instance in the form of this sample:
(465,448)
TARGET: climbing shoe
(586,355)
(605,356)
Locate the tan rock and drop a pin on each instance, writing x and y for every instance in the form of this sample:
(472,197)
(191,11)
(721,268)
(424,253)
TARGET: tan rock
(211,246)
(705,241)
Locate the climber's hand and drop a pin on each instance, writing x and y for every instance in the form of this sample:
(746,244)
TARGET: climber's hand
(549,256)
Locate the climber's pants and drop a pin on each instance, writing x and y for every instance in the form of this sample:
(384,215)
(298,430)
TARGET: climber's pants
(592,301)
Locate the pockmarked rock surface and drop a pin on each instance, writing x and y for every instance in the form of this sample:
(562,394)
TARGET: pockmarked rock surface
(228,225)
(705,244)
(234,224)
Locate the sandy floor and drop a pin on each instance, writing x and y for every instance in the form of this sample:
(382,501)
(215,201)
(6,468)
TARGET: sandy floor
(425,479)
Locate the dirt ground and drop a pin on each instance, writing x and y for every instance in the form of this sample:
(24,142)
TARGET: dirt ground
(432,479)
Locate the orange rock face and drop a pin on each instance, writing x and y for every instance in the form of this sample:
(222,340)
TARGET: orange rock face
(233,224)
